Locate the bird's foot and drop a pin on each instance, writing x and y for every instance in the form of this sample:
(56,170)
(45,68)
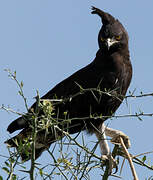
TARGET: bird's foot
(109,162)
(116,139)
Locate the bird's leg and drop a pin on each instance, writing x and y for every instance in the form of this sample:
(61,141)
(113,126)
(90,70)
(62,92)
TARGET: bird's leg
(115,135)
(100,133)
(105,150)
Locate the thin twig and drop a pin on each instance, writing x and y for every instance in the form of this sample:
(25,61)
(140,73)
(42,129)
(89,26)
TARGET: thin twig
(57,165)
(140,162)
(34,134)
(122,165)
(20,85)
(139,96)
(79,145)
(136,160)
(141,154)
(10,110)
(129,159)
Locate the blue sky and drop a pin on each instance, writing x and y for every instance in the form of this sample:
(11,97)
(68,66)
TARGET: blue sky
(46,41)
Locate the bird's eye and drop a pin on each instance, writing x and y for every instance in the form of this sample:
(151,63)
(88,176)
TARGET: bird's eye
(117,37)
(102,39)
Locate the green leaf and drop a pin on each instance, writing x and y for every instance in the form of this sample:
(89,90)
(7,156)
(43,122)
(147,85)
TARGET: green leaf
(11,160)
(7,164)
(14,177)
(14,74)
(41,172)
(5,169)
(20,93)
(21,84)
(144,159)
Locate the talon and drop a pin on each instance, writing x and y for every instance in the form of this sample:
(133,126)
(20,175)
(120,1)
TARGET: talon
(111,161)
(116,139)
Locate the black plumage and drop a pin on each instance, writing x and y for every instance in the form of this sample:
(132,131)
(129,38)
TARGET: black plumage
(111,71)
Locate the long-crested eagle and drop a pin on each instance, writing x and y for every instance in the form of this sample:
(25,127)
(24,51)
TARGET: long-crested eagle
(95,90)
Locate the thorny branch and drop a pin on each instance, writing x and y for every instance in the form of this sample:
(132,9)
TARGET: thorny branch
(129,159)
(90,154)
(20,85)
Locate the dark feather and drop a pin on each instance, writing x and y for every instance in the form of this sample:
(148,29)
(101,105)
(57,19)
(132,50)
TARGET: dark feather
(110,71)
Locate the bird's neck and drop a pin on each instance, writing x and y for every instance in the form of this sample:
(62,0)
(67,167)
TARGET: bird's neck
(105,55)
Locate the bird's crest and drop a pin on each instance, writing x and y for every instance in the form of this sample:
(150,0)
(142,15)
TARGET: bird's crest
(105,17)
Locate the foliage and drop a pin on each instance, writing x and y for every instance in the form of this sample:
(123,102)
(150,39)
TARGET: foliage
(78,161)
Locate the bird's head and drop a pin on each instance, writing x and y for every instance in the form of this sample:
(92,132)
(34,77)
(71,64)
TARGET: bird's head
(112,35)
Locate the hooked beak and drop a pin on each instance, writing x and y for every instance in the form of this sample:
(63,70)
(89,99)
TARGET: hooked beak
(109,42)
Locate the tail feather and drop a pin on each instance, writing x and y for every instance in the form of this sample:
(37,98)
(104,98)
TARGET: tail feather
(18,124)
(23,143)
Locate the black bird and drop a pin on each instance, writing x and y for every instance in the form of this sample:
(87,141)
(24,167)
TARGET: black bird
(95,90)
